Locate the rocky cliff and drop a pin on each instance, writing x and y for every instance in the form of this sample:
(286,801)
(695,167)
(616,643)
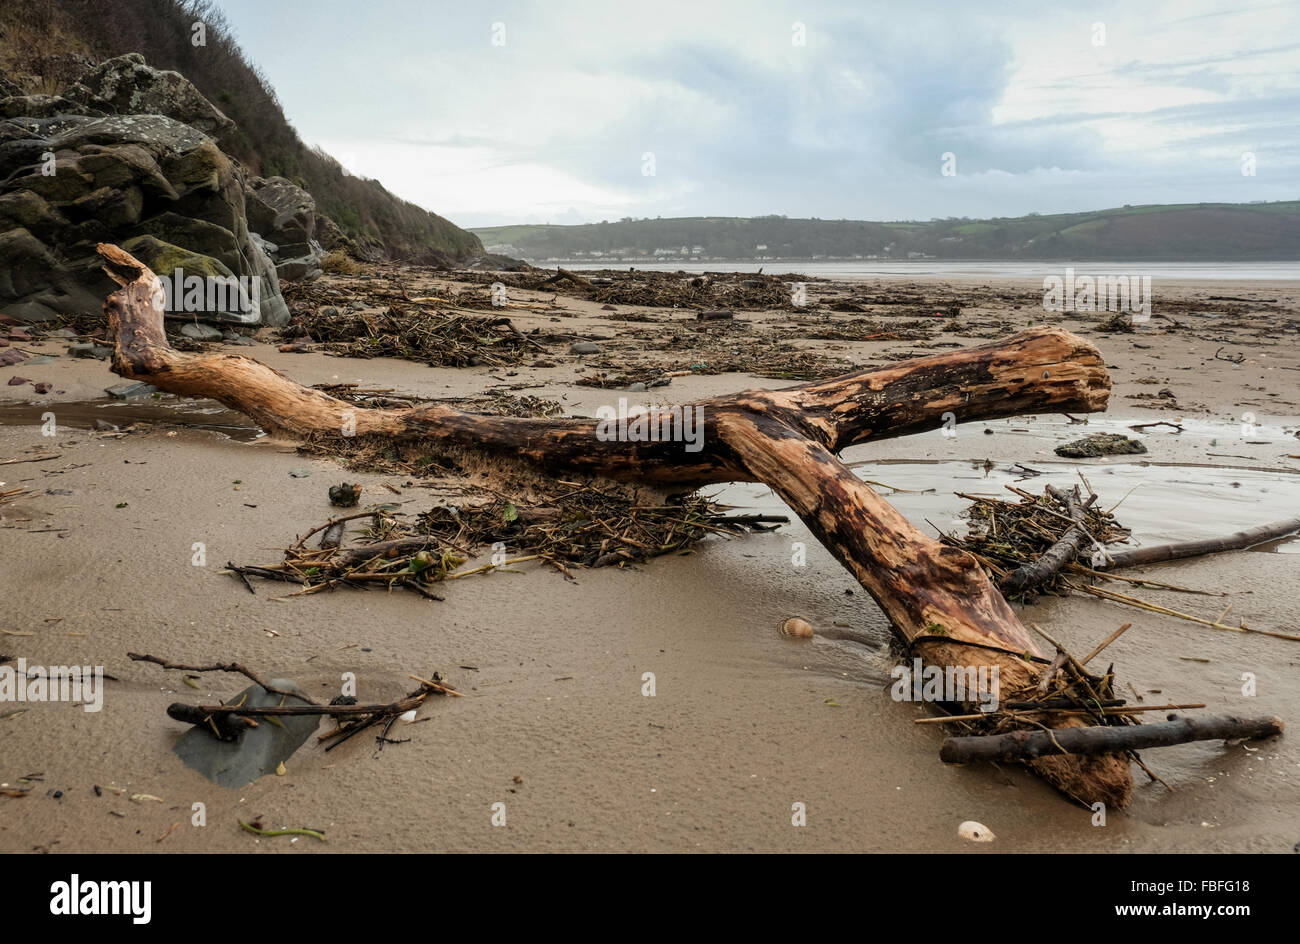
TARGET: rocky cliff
(129,154)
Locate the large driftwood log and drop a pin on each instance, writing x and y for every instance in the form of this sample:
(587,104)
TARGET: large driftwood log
(937,598)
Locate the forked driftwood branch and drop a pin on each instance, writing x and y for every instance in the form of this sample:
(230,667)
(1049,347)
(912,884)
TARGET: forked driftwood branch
(219,667)
(786,439)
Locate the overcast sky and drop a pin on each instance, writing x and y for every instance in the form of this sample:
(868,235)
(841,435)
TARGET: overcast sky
(495,112)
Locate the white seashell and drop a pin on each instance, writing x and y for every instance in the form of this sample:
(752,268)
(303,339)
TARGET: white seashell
(975,832)
(797,627)
(408,716)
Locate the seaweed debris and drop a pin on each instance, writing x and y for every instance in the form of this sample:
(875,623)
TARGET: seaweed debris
(573,525)
(430,336)
(1003,535)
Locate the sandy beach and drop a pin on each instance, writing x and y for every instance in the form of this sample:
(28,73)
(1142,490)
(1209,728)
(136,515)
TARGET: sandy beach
(96,561)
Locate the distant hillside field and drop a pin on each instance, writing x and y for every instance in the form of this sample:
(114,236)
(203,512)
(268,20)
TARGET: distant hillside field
(1186,232)
(46,44)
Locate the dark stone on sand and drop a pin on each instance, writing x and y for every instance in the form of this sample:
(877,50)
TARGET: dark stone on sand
(125,391)
(89,350)
(201,332)
(1102,444)
(258,751)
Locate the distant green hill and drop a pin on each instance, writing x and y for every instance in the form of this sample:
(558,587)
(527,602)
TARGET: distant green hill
(1182,232)
(45,44)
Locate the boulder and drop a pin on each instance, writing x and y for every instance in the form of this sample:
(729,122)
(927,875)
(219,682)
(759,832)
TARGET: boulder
(284,214)
(150,183)
(127,85)
(26,263)
(329,235)
(36,106)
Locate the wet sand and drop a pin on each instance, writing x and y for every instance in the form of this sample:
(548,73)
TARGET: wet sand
(744,722)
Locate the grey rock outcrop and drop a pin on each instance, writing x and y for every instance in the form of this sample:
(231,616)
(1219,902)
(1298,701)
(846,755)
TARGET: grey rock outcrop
(153,184)
(126,85)
(330,235)
(284,214)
